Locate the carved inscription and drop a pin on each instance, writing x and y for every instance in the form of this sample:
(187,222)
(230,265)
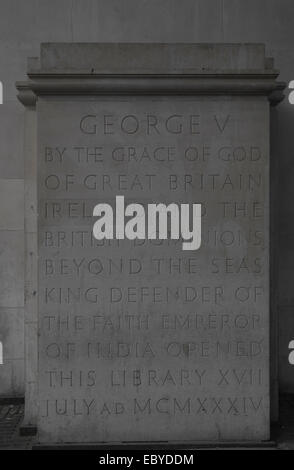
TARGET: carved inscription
(140,340)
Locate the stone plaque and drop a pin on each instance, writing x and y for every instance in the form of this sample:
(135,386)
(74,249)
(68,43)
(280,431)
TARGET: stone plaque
(140,340)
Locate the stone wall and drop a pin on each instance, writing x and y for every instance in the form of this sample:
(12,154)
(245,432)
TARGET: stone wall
(24,25)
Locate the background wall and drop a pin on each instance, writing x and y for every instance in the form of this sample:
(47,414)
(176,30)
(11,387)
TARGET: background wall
(24,24)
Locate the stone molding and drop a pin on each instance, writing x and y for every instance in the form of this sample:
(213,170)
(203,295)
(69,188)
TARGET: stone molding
(150,69)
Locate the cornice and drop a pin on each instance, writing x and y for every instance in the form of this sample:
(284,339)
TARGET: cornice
(49,76)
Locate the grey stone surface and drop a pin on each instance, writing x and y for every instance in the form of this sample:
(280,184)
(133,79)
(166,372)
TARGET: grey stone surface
(11,327)
(17,51)
(31,269)
(11,138)
(144,341)
(158,58)
(268,21)
(12,214)
(12,377)
(11,268)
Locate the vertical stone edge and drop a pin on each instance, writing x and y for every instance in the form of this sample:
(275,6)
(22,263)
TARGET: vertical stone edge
(29,424)
(274,254)
(270,88)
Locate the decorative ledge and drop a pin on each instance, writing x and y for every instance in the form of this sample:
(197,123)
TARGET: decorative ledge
(150,69)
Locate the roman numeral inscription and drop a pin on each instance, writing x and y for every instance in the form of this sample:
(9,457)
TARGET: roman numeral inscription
(149,314)
(141,338)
